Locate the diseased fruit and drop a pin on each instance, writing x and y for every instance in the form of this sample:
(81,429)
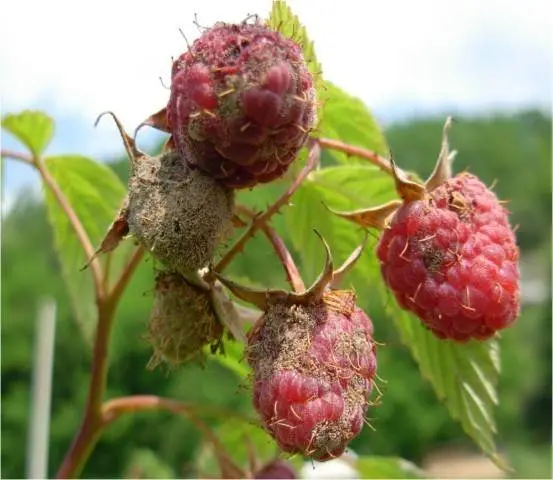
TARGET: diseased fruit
(242,103)
(182,321)
(314,366)
(314,363)
(448,253)
(179,214)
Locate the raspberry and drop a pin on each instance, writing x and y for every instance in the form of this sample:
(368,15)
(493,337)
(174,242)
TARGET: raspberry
(242,103)
(276,469)
(179,214)
(183,320)
(314,363)
(452,259)
(448,252)
(313,371)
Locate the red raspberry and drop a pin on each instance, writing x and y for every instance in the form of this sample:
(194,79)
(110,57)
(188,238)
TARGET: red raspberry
(314,366)
(452,259)
(242,103)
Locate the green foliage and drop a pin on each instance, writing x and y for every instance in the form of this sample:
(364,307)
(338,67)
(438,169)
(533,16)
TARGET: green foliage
(387,467)
(95,194)
(32,128)
(283,20)
(464,377)
(346,118)
(145,463)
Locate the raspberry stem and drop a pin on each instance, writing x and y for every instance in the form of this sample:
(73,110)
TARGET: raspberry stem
(360,152)
(260,220)
(117,407)
(292,273)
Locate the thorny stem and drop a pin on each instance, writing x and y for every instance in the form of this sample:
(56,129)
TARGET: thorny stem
(260,220)
(354,151)
(292,273)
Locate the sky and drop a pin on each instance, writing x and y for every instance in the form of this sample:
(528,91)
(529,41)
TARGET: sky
(403,58)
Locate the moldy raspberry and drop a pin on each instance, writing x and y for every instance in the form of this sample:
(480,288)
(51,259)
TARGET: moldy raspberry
(314,363)
(177,213)
(182,322)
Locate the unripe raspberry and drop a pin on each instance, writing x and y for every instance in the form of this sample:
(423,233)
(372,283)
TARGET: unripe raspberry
(182,322)
(179,214)
(242,103)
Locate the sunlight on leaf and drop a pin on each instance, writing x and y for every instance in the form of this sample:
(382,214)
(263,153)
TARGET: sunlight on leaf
(33,129)
(346,118)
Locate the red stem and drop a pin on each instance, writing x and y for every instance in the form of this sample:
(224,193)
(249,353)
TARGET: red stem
(93,422)
(292,273)
(364,153)
(260,220)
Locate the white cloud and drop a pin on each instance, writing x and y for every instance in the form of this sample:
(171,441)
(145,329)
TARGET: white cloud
(89,56)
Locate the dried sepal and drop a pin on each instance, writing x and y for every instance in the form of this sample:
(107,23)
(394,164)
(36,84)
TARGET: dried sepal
(117,231)
(259,298)
(157,120)
(321,283)
(226,312)
(442,171)
(130,145)
(345,268)
(408,190)
(376,217)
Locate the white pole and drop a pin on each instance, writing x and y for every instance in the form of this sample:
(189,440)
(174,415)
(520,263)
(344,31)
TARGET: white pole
(41,387)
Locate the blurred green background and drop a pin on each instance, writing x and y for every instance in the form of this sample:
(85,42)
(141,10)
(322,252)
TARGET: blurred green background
(410,422)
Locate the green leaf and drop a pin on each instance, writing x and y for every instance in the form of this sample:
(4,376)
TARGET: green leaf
(95,194)
(387,467)
(343,188)
(33,129)
(464,376)
(346,118)
(283,20)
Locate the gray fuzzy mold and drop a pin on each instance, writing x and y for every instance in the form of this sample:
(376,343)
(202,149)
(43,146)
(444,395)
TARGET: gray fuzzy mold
(180,215)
